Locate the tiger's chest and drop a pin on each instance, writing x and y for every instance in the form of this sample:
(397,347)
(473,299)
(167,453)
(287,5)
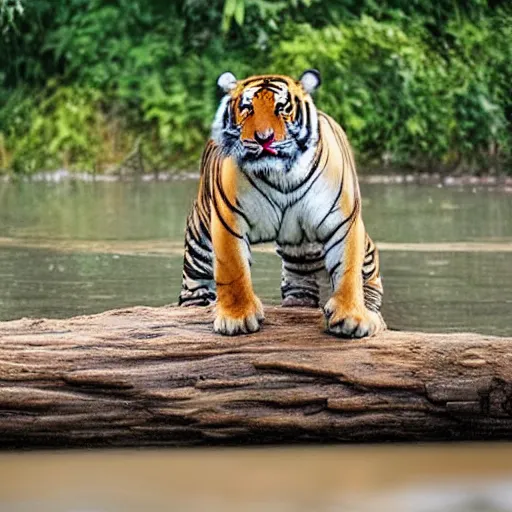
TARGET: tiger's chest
(291,219)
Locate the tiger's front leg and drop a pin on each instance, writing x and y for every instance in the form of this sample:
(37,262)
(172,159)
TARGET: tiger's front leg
(238,309)
(346,313)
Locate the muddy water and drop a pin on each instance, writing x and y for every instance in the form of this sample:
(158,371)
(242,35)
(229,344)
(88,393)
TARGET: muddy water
(464,478)
(73,248)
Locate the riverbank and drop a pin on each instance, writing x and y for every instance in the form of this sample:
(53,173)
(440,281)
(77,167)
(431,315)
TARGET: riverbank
(504,182)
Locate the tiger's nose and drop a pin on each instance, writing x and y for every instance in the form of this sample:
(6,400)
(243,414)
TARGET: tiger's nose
(265,137)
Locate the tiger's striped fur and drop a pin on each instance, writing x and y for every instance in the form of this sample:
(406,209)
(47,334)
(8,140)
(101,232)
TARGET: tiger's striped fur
(276,169)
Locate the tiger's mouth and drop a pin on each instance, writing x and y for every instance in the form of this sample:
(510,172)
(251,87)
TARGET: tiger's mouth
(267,147)
(270,148)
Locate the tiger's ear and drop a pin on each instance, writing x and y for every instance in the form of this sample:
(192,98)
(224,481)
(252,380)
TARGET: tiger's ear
(310,80)
(226,81)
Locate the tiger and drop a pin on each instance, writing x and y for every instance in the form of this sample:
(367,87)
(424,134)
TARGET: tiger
(276,169)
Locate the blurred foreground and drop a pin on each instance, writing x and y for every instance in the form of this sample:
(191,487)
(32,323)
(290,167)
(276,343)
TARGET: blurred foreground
(422,478)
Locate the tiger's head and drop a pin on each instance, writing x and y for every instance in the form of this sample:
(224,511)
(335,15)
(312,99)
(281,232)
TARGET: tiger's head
(266,122)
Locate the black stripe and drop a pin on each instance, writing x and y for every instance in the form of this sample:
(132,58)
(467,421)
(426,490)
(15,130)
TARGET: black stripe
(298,115)
(278,80)
(370,254)
(314,166)
(274,206)
(348,157)
(203,299)
(335,202)
(308,116)
(333,269)
(367,275)
(316,177)
(194,274)
(332,209)
(301,272)
(299,293)
(290,287)
(205,231)
(299,259)
(197,255)
(223,222)
(262,240)
(269,88)
(200,272)
(231,206)
(338,242)
(326,238)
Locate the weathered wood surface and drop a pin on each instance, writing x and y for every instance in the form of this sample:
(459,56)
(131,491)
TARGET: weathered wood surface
(159,376)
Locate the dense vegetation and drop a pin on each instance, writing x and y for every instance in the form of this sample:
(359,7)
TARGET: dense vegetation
(416,84)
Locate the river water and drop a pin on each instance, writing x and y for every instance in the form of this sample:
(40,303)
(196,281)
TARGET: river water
(72,248)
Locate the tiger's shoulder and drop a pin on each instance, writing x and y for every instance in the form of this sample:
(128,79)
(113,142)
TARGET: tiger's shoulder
(329,124)
(331,132)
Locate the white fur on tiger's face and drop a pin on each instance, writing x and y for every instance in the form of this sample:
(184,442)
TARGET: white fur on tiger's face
(266,123)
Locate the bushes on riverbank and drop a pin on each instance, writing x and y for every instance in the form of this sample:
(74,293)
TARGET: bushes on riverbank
(416,85)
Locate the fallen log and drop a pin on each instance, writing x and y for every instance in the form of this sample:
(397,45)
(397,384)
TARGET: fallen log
(159,376)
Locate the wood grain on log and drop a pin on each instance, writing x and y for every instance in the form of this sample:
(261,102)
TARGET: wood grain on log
(159,376)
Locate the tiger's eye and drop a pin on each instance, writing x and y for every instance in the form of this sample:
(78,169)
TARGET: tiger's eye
(244,106)
(285,108)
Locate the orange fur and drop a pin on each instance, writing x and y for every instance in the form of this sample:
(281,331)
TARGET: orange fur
(264,118)
(347,302)
(349,293)
(235,296)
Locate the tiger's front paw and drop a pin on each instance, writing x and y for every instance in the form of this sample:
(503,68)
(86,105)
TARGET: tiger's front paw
(351,321)
(242,320)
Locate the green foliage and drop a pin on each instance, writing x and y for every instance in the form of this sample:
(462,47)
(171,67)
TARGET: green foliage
(54,130)
(400,100)
(415,83)
(9,10)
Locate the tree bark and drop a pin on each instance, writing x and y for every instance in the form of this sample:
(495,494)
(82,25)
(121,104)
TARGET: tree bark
(159,376)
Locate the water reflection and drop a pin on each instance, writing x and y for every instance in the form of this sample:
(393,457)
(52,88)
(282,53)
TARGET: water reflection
(157,210)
